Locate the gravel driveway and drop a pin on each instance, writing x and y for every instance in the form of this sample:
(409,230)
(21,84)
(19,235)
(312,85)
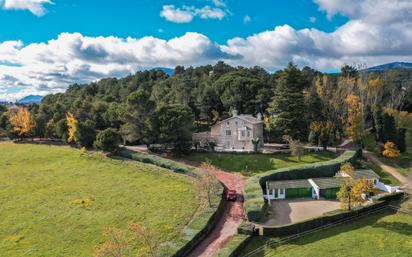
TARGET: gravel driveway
(295,210)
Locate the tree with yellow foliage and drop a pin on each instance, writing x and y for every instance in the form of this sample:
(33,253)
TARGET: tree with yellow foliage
(360,190)
(390,150)
(347,168)
(22,122)
(324,131)
(345,195)
(354,125)
(71,127)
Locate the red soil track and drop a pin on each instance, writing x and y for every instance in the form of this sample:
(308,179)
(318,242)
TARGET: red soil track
(231,219)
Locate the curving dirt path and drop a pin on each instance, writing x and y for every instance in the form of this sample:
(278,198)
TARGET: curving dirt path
(405,181)
(233,215)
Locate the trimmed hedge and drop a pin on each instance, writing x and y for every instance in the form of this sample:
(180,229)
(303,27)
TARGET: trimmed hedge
(256,185)
(159,161)
(327,219)
(200,227)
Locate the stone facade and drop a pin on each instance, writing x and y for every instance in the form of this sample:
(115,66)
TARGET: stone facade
(235,133)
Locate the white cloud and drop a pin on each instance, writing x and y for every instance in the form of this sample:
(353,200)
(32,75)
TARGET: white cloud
(247,19)
(173,14)
(187,13)
(208,12)
(51,66)
(219,3)
(34,6)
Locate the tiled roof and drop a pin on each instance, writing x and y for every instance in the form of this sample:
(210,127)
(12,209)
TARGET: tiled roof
(368,174)
(246,117)
(325,183)
(299,183)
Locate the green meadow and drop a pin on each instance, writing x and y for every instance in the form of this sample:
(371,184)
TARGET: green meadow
(54,201)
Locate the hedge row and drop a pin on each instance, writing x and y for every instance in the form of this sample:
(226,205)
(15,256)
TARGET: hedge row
(204,222)
(300,227)
(256,185)
(159,161)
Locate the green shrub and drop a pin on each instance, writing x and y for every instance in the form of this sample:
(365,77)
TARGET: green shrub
(107,140)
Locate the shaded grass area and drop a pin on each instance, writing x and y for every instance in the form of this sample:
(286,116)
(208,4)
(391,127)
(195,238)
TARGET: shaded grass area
(375,235)
(55,202)
(251,164)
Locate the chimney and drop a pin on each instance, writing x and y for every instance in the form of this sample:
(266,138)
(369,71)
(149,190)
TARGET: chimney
(234,112)
(259,116)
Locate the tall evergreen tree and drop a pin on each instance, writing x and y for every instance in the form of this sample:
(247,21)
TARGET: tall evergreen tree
(389,129)
(288,104)
(378,122)
(400,141)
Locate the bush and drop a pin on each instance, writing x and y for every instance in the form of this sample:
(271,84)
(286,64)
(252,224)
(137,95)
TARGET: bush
(107,140)
(85,133)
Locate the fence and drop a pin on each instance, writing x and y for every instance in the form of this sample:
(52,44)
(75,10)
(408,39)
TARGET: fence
(273,242)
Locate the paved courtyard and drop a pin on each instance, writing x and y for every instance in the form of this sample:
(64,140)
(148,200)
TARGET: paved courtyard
(283,212)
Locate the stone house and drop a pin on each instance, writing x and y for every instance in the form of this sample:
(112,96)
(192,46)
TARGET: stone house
(233,134)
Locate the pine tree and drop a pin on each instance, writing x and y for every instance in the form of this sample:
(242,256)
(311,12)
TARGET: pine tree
(378,122)
(401,142)
(288,104)
(389,128)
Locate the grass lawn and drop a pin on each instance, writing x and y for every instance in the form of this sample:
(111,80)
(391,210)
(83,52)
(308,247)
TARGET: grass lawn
(375,235)
(55,202)
(251,164)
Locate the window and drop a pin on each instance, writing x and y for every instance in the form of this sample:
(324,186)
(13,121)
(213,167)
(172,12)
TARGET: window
(227,124)
(228,132)
(248,133)
(281,191)
(236,123)
(242,133)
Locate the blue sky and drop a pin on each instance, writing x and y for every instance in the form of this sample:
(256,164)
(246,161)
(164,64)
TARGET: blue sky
(139,18)
(46,45)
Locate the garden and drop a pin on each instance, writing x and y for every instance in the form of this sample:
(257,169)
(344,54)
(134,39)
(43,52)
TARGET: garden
(58,201)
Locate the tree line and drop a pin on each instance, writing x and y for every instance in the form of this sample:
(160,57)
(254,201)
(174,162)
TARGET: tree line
(151,107)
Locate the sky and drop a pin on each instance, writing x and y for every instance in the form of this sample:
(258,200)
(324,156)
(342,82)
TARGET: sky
(46,45)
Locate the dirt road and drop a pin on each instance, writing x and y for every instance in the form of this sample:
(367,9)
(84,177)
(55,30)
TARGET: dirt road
(232,218)
(405,181)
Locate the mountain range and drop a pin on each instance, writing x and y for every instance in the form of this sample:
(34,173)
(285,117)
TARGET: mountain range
(30,99)
(392,65)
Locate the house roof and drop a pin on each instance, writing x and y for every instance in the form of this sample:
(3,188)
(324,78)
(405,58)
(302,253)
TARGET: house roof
(246,117)
(325,183)
(368,174)
(298,183)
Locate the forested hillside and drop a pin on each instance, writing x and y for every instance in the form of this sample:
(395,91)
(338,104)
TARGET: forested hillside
(153,107)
